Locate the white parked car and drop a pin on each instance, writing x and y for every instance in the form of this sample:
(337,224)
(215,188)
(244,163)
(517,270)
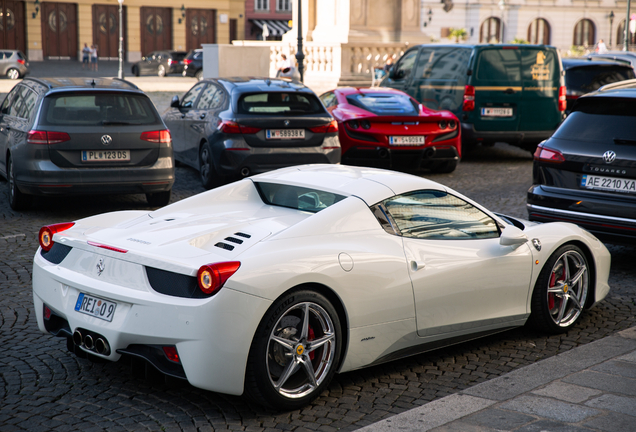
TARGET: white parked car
(272,284)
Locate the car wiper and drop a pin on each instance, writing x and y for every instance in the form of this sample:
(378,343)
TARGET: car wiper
(625,141)
(116,122)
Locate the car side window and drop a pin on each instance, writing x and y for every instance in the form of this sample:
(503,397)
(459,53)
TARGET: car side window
(16,105)
(8,101)
(211,98)
(438,215)
(191,96)
(329,99)
(405,66)
(27,110)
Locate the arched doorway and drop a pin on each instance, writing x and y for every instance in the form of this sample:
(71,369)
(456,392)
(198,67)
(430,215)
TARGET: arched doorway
(490,30)
(12,25)
(584,33)
(539,32)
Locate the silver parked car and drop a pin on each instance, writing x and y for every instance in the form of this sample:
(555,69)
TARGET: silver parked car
(73,136)
(13,64)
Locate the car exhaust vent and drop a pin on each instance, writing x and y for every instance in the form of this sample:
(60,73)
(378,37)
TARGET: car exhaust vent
(56,254)
(240,234)
(224,246)
(234,240)
(174,284)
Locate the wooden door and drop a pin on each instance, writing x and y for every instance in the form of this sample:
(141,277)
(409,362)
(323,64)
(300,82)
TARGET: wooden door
(106,30)
(59,30)
(12,25)
(200,27)
(156,29)
(233,30)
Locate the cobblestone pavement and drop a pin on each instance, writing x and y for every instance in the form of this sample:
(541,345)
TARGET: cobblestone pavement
(43,387)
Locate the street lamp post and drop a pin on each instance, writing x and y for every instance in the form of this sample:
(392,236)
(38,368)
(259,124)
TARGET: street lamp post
(120,72)
(611,18)
(502,6)
(625,37)
(300,56)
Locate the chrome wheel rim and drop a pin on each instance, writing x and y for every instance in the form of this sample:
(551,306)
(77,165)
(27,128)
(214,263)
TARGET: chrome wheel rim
(301,350)
(567,288)
(205,164)
(13,74)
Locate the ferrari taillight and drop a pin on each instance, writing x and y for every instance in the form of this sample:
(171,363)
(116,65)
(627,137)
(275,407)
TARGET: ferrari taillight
(159,136)
(46,234)
(327,128)
(212,277)
(563,103)
(469,98)
(545,154)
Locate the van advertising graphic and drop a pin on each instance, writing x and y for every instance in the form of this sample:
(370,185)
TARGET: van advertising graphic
(540,70)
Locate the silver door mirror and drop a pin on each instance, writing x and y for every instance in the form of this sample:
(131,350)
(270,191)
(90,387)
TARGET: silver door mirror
(512,236)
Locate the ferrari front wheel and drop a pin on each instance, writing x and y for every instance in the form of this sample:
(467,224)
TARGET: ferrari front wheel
(295,351)
(561,291)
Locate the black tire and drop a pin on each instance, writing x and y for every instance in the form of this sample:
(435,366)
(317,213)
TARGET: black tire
(135,71)
(199,75)
(209,177)
(270,360)
(17,200)
(158,199)
(561,291)
(161,71)
(446,167)
(13,74)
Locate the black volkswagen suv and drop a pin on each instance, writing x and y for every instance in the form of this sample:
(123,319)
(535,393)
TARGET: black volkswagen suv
(83,136)
(586,172)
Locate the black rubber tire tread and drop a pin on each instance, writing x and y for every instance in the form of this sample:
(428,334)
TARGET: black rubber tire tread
(199,75)
(540,318)
(210,179)
(258,387)
(159,199)
(17,200)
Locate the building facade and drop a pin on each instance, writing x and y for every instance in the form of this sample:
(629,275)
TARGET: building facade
(267,19)
(59,30)
(562,23)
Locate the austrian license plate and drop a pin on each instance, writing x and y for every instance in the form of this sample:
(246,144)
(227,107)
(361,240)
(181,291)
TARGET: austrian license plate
(285,134)
(105,155)
(608,184)
(407,140)
(94,306)
(496,112)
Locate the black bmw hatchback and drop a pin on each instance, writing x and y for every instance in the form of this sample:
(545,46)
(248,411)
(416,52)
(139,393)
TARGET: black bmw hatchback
(73,136)
(586,172)
(235,127)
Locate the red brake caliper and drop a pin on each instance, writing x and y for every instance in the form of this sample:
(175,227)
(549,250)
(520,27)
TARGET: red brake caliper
(311,336)
(551,295)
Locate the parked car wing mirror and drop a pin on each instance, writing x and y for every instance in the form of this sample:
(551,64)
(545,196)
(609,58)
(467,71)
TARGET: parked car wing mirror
(392,72)
(512,236)
(174,103)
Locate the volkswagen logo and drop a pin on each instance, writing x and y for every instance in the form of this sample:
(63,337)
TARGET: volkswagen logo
(106,139)
(609,156)
(286,122)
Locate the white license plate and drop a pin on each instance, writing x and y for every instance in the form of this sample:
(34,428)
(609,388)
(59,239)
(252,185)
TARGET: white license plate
(105,155)
(407,140)
(94,306)
(496,112)
(285,134)
(608,184)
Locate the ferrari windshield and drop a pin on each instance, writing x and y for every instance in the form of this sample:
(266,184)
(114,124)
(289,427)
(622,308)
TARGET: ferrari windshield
(296,197)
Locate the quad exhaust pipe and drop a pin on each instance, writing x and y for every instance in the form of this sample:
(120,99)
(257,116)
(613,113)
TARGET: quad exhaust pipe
(245,171)
(91,341)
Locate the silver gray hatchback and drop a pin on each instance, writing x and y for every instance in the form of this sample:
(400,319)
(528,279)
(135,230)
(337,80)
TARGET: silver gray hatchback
(76,136)
(13,64)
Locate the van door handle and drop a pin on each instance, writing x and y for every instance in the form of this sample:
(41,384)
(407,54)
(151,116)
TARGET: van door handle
(417,265)
(509,91)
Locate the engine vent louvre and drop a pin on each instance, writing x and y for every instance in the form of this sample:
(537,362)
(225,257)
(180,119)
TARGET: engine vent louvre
(224,246)
(240,234)
(234,240)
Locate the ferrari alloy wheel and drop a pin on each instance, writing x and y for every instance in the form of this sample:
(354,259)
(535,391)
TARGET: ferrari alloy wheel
(17,200)
(561,290)
(161,71)
(295,351)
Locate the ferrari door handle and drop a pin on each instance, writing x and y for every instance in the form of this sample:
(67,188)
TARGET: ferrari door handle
(417,265)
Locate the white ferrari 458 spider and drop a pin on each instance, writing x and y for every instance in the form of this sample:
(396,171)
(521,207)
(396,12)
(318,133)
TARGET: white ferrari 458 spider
(270,285)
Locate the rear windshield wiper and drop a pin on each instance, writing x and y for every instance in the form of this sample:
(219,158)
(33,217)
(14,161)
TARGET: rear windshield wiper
(625,141)
(115,122)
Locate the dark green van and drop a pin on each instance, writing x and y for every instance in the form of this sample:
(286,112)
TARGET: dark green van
(500,93)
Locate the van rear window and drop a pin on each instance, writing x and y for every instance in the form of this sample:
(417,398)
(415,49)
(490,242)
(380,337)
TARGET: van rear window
(384,104)
(516,65)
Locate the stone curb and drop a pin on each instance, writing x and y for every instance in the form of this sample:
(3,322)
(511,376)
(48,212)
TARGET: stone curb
(509,386)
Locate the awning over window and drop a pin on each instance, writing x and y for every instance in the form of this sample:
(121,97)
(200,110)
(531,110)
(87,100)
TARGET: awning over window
(275,27)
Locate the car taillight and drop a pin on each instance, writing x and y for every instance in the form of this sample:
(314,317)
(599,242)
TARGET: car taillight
(230,127)
(170,61)
(47,137)
(21,61)
(171,353)
(159,136)
(327,128)
(545,154)
(211,277)
(45,236)
(563,103)
(469,98)
(187,61)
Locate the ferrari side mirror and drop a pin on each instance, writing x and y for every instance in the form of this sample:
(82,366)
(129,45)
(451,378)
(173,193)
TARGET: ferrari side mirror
(512,236)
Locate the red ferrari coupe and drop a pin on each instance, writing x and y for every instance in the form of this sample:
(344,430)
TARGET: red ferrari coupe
(386,128)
